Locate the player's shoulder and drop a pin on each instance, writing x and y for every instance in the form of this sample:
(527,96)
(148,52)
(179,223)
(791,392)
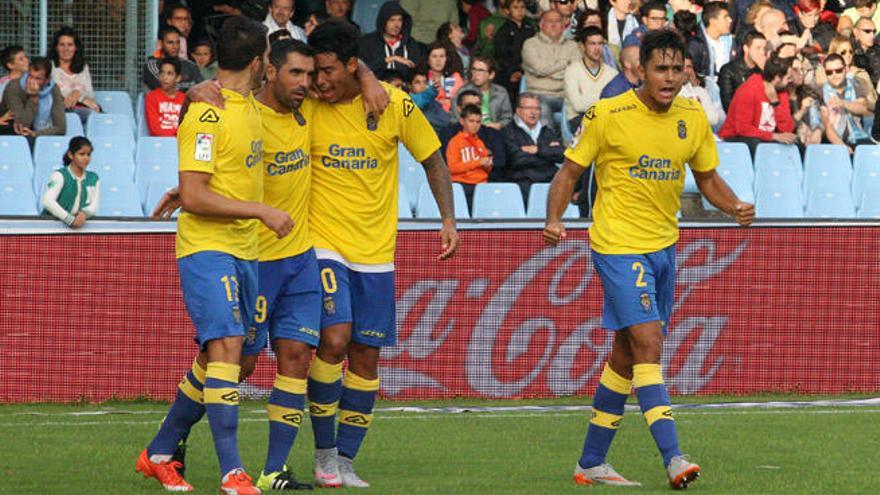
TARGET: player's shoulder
(399,100)
(612,107)
(202,114)
(686,104)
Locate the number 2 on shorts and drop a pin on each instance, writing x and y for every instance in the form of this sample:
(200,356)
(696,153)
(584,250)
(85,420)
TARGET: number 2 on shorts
(637,266)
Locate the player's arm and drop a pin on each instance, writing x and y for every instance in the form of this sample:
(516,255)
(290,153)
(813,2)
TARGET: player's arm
(441,187)
(558,198)
(375,97)
(717,192)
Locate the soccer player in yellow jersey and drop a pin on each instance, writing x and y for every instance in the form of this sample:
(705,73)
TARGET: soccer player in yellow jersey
(639,143)
(221,189)
(353,222)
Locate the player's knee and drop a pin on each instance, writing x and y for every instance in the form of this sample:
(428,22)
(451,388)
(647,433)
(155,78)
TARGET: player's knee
(293,360)
(363,360)
(333,348)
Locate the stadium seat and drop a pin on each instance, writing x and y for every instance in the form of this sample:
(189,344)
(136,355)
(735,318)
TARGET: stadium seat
(827,168)
(364,13)
(15,160)
(155,160)
(735,154)
(17,198)
(108,125)
(869,203)
(113,148)
(411,174)
(403,209)
(155,191)
(780,202)
(498,200)
(74,125)
(116,102)
(563,127)
(538,203)
(142,129)
(48,156)
(775,156)
(427,205)
(830,204)
(690,183)
(119,200)
(736,169)
(866,170)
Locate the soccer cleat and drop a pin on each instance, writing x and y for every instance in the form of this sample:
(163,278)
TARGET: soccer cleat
(280,480)
(237,482)
(681,472)
(350,479)
(326,469)
(180,456)
(603,474)
(167,473)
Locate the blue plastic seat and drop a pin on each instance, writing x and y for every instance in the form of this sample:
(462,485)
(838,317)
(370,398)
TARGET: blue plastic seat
(498,200)
(827,168)
(736,170)
(139,118)
(74,125)
(869,206)
(155,190)
(565,130)
(538,203)
(365,13)
(427,205)
(829,204)
(116,102)
(155,160)
(15,160)
(118,148)
(411,174)
(866,170)
(119,199)
(48,156)
(773,157)
(403,208)
(110,125)
(780,202)
(17,198)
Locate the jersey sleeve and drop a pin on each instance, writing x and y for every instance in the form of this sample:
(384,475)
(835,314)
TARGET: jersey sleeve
(706,156)
(415,132)
(197,139)
(584,147)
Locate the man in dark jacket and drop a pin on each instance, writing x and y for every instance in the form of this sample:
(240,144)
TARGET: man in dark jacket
(533,149)
(391,47)
(867,53)
(508,46)
(732,75)
(712,46)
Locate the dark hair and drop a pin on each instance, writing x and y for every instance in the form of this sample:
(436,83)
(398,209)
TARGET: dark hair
(470,110)
(166,30)
(172,61)
(862,3)
(202,42)
(338,37)
(453,61)
(413,74)
(686,24)
(389,75)
(8,54)
(751,36)
(712,10)
(42,64)
(646,9)
(76,143)
(466,92)
(79,57)
(279,35)
(241,40)
(281,49)
(587,32)
(171,7)
(489,61)
(775,67)
(581,17)
(661,39)
(832,57)
(444,31)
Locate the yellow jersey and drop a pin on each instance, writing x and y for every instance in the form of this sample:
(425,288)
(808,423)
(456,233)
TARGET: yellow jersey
(228,145)
(287,177)
(640,157)
(353,204)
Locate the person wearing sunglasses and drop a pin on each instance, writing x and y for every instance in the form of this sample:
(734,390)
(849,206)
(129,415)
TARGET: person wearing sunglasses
(867,53)
(566,9)
(846,103)
(842,46)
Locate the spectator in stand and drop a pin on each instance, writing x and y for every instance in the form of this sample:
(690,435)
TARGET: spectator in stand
(760,110)
(735,73)
(169,38)
(533,149)
(72,192)
(489,29)
(712,48)
(454,35)
(747,12)
(508,51)
(846,105)
(314,20)
(162,105)
(857,10)
(867,53)
(494,100)
(444,71)
(566,9)
(180,17)
(628,78)
(807,110)
(492,138)
(203,56)
(35,102)
(813,31)
(16,63)
(280,35)
(428,15)
(843,46)
(545,58)
(653,16)
(621,22)
(693,88)
(390,46)
(675,6)
(394,78)
(771,23)
(71,73)
(340,10)
(476,11)
(586,78)
(424,95)
(279,17)
(591,17)
(470,161)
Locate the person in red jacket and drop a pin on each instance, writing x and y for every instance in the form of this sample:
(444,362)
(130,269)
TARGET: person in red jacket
(468,158)
(760,109)
(162,105)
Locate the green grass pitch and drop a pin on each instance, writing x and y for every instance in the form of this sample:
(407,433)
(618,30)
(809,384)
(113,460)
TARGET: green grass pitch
(822,450)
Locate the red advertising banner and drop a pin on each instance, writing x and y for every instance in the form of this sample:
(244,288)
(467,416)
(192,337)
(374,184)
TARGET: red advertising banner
(94,317)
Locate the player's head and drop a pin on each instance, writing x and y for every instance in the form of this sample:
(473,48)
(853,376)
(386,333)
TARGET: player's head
(471,117)
(242,45)
(661,66)
(336,45)
(79,152)
(289,73)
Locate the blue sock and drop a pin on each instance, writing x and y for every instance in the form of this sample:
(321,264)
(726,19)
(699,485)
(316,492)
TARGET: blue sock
(324,387)
(221,404)
(186,410)
(355,412)
(608,405)
(655,405)
(285,416)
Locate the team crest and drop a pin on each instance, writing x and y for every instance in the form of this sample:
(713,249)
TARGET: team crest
(329,306)
(645,301)
(682,129)
(408,107)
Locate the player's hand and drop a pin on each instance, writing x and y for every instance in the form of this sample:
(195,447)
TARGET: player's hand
(166,206)
(448,240)
(277,221)
(744,213)
(78,221)
(376,99)
(554,232)
(206,92)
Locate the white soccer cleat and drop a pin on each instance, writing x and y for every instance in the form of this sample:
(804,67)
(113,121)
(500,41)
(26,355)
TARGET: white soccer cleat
(603,474)
(350,479)
(327,469)
(681,472)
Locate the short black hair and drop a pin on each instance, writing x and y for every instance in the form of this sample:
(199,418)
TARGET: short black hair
(42,64)
(466,92)
(281,49)
(775,67)
(834,57)
(489,61)
(241,40)
(8,54)
(172,61)
(470,110)
(165,30)
(587,32)
(712,10)
(751,36)
(280,35)
(338,37)
(201,42)
(389,75)
(652,5)
(661,39)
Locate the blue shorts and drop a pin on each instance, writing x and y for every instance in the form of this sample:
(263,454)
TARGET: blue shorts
(638,287)
(220,292)
(289,305)
(366,300)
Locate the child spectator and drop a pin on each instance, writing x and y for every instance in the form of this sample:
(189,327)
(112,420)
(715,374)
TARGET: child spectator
(71,73)
(424,95)
(162,105)
(203,56)
(16,63)
(72,192)
(394,78)
(444,69)
(169,41)
(468,158)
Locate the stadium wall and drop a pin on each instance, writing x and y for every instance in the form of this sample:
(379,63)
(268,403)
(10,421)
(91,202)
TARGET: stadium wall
(97,314)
